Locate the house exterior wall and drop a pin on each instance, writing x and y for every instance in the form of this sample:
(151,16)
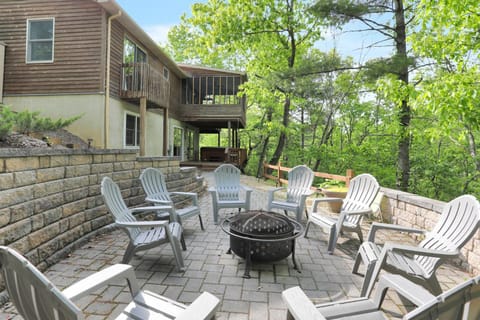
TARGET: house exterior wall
(79,47)
(90,107)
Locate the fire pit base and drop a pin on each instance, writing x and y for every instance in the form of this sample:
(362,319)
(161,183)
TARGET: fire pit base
(262,237)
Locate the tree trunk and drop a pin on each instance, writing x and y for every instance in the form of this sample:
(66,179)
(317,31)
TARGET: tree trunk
(404,114)
(283,136)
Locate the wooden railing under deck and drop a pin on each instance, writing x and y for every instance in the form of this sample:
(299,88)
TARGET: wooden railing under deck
(280,181)
(142,80)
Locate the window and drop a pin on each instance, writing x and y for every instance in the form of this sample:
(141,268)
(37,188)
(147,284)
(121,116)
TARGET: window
(132,130)
(40,40)
(165,73)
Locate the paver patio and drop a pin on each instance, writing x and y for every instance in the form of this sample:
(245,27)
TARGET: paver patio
(323,277)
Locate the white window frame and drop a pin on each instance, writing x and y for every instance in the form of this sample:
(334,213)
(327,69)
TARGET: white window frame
(137,116)
(28,41)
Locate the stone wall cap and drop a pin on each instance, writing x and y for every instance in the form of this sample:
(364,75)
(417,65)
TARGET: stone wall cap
(29,152)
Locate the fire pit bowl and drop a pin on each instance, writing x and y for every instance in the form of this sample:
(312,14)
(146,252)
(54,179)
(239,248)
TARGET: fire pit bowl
(262,236)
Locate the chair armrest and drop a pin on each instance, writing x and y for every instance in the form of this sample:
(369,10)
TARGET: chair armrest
(204,307)
(142,224)
(299,305)
(316,201)
(247,189)
(393,247)
(395,227)
(413,292)
(186,194)
(154,200)
(110,275)
(150,208)
(273,190)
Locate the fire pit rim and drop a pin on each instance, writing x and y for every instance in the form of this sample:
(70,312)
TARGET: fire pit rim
(296,232)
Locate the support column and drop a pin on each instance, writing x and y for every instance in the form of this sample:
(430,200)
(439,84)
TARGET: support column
(165,131)
(143,124)
(229,134)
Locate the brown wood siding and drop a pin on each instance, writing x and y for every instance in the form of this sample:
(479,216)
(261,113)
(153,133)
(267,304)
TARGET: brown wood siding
(116,58)
(78,50)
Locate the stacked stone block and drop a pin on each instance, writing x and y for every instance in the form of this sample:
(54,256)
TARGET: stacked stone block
(50,201)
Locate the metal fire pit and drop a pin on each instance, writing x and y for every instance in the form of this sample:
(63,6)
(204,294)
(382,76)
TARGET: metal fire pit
(262,236)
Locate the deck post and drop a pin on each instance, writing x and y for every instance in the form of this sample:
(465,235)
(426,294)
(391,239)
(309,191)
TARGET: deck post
(143,122)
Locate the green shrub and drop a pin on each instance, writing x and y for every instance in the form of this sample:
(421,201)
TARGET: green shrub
(27,122)
(7,121)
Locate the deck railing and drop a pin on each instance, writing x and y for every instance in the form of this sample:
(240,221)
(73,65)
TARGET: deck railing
(142,80)
(235,156)
(279,180)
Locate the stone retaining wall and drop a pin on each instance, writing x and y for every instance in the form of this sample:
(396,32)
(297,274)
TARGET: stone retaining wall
(411,210)
(50,200)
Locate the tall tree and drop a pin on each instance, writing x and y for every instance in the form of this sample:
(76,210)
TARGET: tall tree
(391,22)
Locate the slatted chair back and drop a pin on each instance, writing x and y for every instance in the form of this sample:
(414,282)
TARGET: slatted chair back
(33,295)
(227,181)
(457,224)
(300,180)
(462,302)
(361,193)
(113,199)
(153,183)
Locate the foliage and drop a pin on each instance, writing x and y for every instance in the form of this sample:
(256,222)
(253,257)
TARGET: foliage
(7,120)
(27,122)
(345,116)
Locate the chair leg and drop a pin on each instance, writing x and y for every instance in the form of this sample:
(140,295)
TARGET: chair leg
(128,253)
(332,239)
(176,238)
(369,267)
(201,222)
(306,228)
(434,285)
(358,259)
(182,242)
(359,233)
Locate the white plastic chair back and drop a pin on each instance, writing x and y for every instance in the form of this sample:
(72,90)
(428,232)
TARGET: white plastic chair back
(300,180)
(227,182)
(458,223)
(153,183)
(33,295)
(361,193)
(114,201)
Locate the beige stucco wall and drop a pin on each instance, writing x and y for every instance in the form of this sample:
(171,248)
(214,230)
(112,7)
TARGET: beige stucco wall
(154,131)
(89,126)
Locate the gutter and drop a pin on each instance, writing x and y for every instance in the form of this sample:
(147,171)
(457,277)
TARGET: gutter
(107,81)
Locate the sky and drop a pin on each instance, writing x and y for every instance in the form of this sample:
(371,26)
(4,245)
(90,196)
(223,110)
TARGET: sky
(156,17)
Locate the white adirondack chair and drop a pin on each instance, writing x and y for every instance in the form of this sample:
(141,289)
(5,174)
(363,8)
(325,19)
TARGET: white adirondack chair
(361,193)
(155,187)
(457,224)
(143,234)
(459,303)
(36,298)
(300,180)
(228,192)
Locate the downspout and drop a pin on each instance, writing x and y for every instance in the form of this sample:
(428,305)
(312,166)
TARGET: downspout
(107,81)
